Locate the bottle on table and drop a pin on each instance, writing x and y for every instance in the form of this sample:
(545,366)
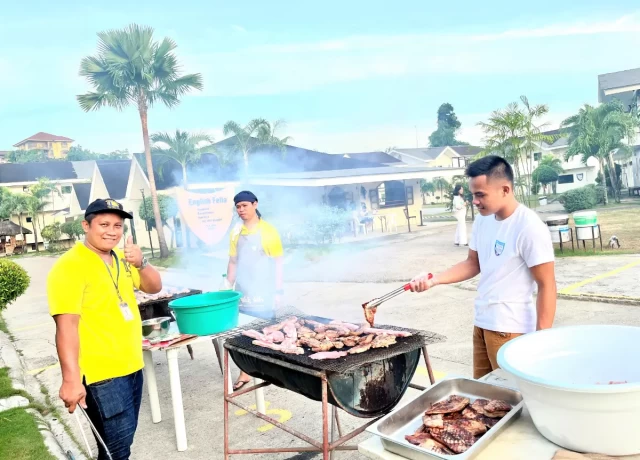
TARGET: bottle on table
(225,285)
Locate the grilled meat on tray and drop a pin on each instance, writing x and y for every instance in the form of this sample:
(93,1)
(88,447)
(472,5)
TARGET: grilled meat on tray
(455,425)
(454,437)
(453,403)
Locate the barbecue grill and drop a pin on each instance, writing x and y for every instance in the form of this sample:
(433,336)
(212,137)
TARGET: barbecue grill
(160,307)
(365,385)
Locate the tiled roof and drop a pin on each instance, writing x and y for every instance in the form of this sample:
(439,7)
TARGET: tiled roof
(30,172)
(373,157)
(115,174)
(83,192)
(466,150)
(422,154)
(43,137)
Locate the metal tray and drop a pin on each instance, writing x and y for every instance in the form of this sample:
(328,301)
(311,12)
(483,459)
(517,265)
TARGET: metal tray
(393,427)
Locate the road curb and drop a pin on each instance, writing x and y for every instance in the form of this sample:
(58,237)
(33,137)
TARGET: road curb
(55,436)
(601,298)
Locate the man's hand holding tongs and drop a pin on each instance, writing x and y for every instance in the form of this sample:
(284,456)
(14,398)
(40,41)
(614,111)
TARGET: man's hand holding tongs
(422,282)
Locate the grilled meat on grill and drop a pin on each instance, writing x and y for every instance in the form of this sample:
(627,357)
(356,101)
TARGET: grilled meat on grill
(383,341)
(455,438)
(328,355)
(373,330)
(453,403)
(360,348)
(294,333)
(283,348)
(351,327)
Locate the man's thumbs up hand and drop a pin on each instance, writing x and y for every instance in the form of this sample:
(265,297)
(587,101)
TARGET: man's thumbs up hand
(132,253)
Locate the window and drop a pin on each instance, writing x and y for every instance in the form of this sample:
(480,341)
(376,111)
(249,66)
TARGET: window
(459,162)
(565,179)
(390,194)
(537,156)
(66,189)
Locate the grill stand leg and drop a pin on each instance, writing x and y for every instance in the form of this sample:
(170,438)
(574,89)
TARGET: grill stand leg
(325,420)
(227,387)
(427,361)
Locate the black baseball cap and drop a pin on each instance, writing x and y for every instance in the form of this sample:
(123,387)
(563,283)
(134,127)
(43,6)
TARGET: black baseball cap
(101,206)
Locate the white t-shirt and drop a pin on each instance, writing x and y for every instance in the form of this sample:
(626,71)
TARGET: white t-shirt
(506,250)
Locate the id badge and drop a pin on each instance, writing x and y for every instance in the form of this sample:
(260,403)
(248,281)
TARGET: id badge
(126,311)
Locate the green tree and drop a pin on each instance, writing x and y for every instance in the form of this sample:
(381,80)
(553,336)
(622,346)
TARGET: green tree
(133,69)
(441,184)
(27,156)
(448,126)
(513,133)
(168,210)
(544,175)
(425,188)
(73,229)
(257,133)
(14,281)
(34,207)
(182,148)
(595,132)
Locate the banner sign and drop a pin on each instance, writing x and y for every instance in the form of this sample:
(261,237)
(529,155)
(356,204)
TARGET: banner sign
(207,215)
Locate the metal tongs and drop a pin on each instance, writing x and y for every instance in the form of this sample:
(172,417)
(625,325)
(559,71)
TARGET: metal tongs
(371,306)
(95,432)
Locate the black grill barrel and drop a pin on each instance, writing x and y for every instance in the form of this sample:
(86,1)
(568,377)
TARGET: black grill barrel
(365,385)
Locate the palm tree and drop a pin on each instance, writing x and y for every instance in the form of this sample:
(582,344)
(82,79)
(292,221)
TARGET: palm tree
(440,183)
(595,132)
(182,148)
(426,187)
(34,207)
(513,134)
(133,69)
(258,132)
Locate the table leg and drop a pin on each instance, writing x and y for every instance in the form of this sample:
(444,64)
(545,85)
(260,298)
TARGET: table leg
(152,386)
(217,346)
(260,406)
(176,399)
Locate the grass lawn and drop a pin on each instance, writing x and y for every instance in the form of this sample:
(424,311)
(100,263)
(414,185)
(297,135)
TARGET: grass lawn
(19,435)
(623,223)
(20,438)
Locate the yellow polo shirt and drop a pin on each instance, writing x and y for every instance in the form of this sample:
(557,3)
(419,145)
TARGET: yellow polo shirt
(269,236)
(79,284)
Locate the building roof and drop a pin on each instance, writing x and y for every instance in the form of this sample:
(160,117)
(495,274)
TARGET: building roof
(466,150)
(83,192)
(373,157)
(620,85)
(115,174)
(43,137)
(30,172)
(84,169)
(8,228)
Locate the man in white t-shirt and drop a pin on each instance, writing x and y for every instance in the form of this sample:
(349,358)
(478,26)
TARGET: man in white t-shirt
(511,249)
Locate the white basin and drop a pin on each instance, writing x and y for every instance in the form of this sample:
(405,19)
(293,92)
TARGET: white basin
(564,373)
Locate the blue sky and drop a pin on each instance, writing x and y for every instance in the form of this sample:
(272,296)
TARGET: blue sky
(345,75)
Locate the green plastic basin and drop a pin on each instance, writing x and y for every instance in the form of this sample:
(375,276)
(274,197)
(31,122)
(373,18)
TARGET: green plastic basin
(207,313)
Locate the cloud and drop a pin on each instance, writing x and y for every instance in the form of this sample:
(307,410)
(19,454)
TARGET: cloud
(296,67)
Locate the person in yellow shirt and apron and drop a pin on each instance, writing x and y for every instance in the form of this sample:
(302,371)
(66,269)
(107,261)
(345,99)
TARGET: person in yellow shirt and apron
(255,263)
(98,326)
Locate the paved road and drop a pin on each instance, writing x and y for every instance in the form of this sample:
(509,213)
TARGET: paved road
(333,287)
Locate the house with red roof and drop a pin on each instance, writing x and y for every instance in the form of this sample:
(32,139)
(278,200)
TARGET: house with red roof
(54,146)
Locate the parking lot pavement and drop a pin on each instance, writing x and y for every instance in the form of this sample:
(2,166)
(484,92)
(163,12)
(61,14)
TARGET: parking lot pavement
(333,286)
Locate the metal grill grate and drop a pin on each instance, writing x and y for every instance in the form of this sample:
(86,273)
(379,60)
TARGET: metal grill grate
(340,365)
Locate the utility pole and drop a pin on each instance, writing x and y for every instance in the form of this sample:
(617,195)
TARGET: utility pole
(146,223)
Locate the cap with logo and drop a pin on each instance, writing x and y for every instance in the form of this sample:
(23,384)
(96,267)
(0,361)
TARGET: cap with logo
(101,206)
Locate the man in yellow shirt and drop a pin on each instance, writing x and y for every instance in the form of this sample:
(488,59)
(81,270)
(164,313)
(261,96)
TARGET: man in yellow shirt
(255,263)
(98,326)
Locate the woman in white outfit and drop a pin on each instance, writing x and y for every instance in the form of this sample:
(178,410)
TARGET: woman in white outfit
(460,213)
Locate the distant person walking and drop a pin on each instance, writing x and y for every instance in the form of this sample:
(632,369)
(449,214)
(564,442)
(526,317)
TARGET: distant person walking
(460,213)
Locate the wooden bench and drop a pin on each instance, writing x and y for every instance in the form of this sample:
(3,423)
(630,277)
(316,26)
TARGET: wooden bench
(634,191)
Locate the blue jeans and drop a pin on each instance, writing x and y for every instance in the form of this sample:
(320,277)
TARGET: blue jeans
(113,406)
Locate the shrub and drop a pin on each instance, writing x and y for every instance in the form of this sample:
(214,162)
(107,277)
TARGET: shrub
(73,228)
(52,232)
(14,280)
(579,199)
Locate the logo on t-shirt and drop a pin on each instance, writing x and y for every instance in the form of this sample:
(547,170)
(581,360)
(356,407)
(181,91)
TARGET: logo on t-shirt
(498,247)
